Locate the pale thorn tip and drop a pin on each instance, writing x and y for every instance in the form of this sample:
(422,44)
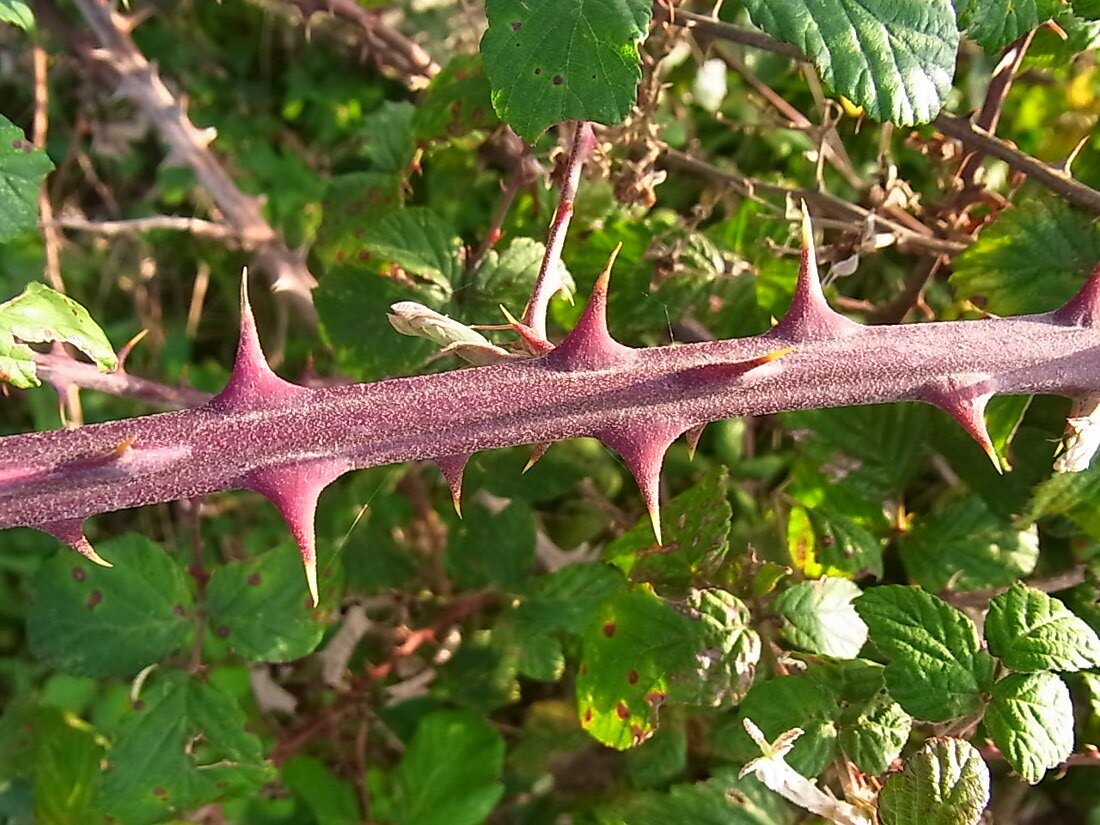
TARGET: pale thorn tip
(311,580)
(655,520)
(91,555)
(536,454)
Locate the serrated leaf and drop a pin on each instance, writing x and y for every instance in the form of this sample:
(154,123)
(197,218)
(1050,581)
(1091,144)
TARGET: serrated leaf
(40,315)
(1073,495)
(963,546)
(1031,631)
(568,599)
(506,278)
(1031,721)
(936,668)
(492,548)
(643,651)
(353,203)
(944,783)
(724,799)
(456,102)
(823,541)
(450,774)
(555,60)
(22,167)
(388,138)
(993,24)
(261,608)
(696,536)
(183,744)
(95,621)
(421,243)
(18,14)
(819,617)
(1032,259)
(895,59)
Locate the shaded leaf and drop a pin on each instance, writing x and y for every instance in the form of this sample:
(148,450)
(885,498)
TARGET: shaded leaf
(22,167)
(421,243)
(331,800)
(492,548)
(996,23)
(944,783)
(456,102)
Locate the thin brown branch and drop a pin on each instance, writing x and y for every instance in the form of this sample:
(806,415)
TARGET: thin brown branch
(135,226)
(61,371)
(709,28)
(823,203)
(188,145)
(1053,584)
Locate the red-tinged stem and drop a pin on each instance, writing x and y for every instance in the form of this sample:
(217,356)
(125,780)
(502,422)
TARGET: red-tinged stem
(549,277)
(46,478)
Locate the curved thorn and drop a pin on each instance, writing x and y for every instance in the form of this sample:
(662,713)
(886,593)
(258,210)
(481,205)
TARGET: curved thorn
(1083,309)
(453,468)
(693,435)
(71,532)
(969,411)
(642,448)
(536,454)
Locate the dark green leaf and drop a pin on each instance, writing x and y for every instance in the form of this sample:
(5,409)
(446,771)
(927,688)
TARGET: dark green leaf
(963,546)
(1031,631)
(819,617)
(1031,720)
(555,60)
(183,744)
(722,800)
(450,774)
(567,599)
(996,23)
(352,204)
(1032,259)
(456,102)
(492,548)
(261,608)
(895,59)
(944,783)
(937,669)
(506,278)
(22,167)
(94,621)
(389,139)
(330,799)
(823,541)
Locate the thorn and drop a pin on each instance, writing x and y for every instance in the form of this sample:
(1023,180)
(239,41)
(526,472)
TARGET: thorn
(810,317)
(294,490)
(536,454)
(125,350)
(708,373)
(590,345)
(71,532)
(969,411)
(693,435)
(453,468)
(253,384)
(1082,310)
(642,448)
(536,345)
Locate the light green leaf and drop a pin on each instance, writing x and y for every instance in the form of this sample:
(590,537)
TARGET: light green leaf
(819,617)
(823,541)
(450,774)
(944,783)
(555,60)
(643,651)
(996,23)
(95,621)
(1032,259)
(261,608)
(421,243)
(40,315)
(506,277)
(1031,720)
(1031,631)
(937,669)
(183,744)
(963,546)
(492,548)
(895,59)
(17,13)
(22,167)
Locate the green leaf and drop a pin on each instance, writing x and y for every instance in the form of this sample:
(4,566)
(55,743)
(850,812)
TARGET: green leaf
(819,617)
(450,774)
(93,621)
(944,783)
(895,59)
(40,315)
(823,541)
(389,139)
(724,799)
(936,669)
(696,536)
(506,278)
(661,759)
(996,23)
(261,608)
(492,548)
(1032,259)
(963,546)
(1031,720)
(421,243)
(456,102)
(183,744)
(1031,631)
(1073,495)
(330,800)
(568,599)
(555,60)
(22,167)
(643,651)
(17,13)
(352,203)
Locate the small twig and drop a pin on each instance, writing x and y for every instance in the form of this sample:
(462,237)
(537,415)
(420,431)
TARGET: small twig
(981,598)
(707,27)
(549,277)
(1090,758)
(50,236)
(61,370)
(134,226)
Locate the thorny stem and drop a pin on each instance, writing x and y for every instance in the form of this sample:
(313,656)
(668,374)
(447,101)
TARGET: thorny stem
(549,277)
